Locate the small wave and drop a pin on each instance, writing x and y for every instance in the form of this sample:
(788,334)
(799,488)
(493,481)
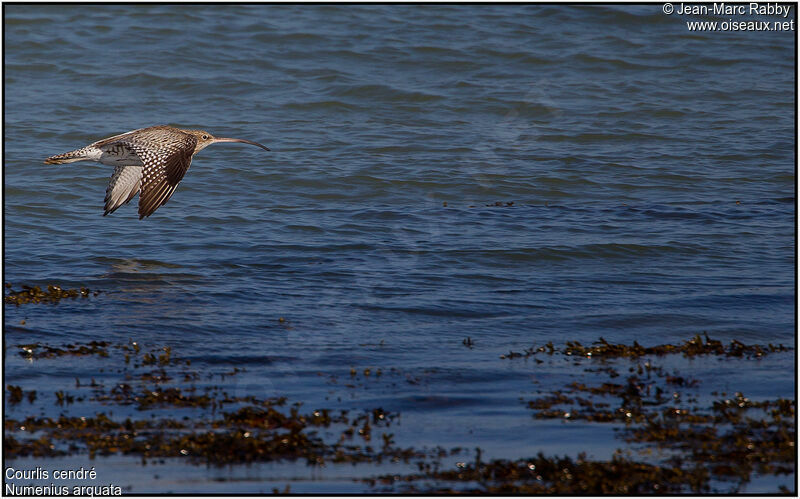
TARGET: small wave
(612,64)
(278,37)
(565,253)
(10,20)
(326,105)
(384,93)
(590,138)
(256,360)
(135,264)
(40,67)
(517,57)
(625,16)
(442,311)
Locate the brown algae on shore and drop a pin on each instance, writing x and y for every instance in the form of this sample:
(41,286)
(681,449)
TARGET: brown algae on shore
(52,294)
(239,429)
(690,348)
(549,475)
(727,439)
(714,445)
(41,351)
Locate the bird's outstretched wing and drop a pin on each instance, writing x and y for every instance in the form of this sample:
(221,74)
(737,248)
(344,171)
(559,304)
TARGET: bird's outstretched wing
(161,174)
(121,137)
(165,154)
(124,184)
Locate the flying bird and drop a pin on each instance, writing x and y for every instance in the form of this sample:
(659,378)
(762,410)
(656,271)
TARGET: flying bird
(149,161)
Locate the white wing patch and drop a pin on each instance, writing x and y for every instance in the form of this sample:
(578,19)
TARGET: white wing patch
(125,183)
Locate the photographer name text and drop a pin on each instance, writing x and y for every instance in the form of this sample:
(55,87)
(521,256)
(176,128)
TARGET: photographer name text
(725,9)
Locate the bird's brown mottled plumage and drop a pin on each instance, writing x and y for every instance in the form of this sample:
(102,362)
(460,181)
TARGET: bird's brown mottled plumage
(151,161)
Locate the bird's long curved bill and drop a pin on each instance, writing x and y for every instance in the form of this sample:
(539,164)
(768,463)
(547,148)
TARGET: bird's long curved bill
(225,139)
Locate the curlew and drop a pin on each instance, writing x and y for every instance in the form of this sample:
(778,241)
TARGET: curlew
(152,160)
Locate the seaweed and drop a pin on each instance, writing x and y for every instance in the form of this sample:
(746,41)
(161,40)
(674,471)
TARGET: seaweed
(52,294)
(724,443)
(690,348)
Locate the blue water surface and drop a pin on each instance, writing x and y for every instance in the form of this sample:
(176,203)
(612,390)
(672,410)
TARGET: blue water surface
(515,174)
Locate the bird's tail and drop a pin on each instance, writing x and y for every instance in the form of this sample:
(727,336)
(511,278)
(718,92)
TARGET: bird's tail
(82,154)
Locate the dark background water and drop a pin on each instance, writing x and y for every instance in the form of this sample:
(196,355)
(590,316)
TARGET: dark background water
(651,171)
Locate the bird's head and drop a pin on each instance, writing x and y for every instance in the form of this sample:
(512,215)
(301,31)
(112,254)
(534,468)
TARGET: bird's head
(205,139)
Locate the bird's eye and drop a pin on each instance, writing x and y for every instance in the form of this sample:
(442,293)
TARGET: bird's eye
(205,137)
